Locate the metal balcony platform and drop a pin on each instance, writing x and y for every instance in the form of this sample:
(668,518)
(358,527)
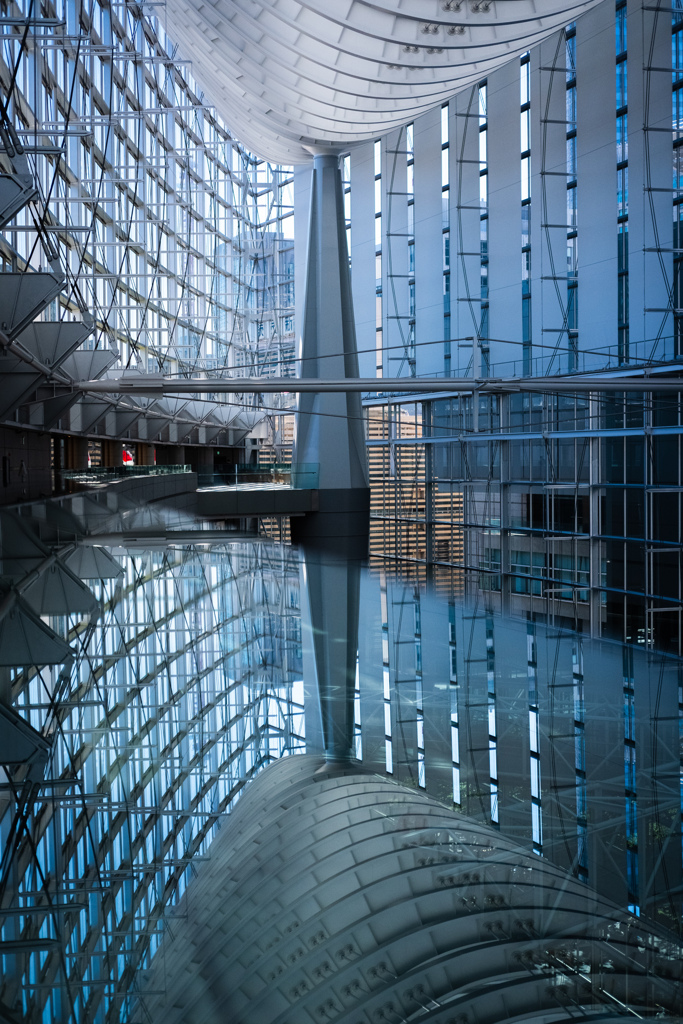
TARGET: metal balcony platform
(257,499)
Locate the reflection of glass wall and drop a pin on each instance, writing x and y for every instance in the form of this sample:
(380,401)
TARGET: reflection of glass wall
(566,744)
(188,678)
(187,682)
(564,506)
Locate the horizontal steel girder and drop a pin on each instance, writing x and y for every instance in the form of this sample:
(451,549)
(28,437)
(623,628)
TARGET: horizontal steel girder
(384,385)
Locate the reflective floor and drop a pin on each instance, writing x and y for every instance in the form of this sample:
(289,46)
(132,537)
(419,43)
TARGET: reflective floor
(151,665)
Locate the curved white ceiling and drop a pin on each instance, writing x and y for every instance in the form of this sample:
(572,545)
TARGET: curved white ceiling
(294,76)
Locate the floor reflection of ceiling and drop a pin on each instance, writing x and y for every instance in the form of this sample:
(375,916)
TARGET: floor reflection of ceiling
(336,895)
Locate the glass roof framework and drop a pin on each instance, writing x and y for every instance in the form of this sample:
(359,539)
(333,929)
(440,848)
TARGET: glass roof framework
(175,237)
(185,684)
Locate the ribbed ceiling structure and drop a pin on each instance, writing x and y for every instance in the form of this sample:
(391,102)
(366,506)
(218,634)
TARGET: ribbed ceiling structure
(295,76)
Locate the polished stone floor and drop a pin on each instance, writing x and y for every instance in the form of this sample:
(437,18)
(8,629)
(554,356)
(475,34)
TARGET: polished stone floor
(151,665)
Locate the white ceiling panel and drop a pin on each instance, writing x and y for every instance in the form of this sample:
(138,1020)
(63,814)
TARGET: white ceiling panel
(295,77)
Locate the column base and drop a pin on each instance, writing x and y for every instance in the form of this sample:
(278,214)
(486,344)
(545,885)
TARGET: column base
(341,525)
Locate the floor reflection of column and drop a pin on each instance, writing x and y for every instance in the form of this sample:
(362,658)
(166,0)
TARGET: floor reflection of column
(330,436)
(330,612)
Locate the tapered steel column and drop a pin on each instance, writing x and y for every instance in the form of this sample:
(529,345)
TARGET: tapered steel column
(329,431)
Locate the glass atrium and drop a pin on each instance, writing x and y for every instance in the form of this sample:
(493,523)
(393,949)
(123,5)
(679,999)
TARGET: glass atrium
(340,512)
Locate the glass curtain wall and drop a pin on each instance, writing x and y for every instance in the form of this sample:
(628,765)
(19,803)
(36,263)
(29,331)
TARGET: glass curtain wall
(175,238)
(562,507)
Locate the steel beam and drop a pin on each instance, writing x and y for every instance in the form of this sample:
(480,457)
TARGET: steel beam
(158,386)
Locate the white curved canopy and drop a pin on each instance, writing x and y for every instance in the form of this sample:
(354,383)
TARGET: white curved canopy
(291,77)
